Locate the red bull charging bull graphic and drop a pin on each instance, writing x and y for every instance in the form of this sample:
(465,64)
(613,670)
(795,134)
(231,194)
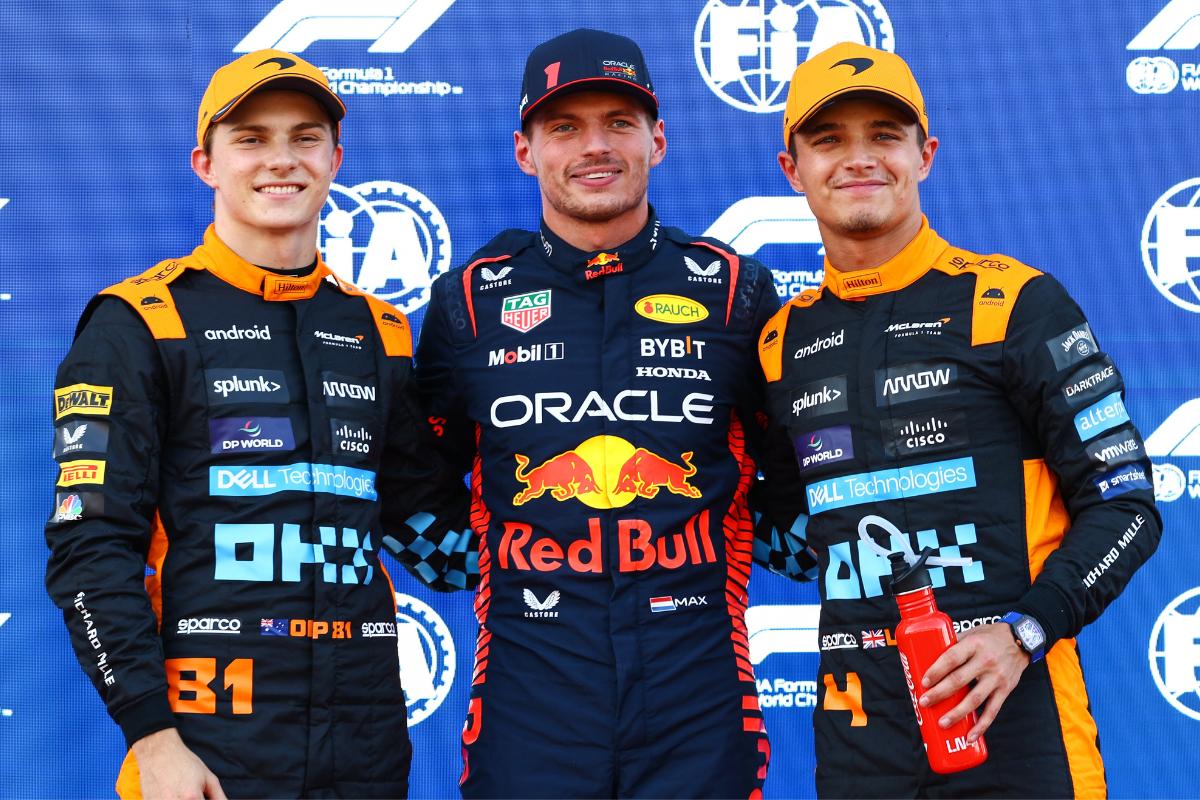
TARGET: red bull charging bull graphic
(605,472)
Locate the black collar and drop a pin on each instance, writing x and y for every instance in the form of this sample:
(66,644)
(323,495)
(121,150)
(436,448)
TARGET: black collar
(601,263)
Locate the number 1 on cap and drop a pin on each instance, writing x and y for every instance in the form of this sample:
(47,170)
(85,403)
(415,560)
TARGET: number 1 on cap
(552,74)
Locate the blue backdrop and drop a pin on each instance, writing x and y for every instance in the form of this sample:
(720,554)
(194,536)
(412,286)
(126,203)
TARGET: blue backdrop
(1067,141)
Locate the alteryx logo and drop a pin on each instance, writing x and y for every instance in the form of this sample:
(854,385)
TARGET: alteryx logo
(255,481)
(1108,413)
(890,484)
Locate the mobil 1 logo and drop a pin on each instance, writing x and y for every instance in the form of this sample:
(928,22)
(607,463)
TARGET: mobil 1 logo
(924,433)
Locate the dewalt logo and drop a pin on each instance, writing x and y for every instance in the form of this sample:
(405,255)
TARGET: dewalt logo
(82,398)
(670,308)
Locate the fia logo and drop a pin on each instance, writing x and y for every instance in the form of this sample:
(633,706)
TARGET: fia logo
(386,238)
(746,51)
(1178,435)
(1171,244)
(390,25)
(1174,653)
(426,651)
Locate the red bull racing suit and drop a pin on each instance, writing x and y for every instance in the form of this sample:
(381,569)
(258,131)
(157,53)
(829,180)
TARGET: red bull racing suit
(965,401)
(235,448)
(602,403)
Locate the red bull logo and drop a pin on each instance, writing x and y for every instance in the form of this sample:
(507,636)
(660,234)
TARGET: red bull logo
(603,264)
(603,259)
(645,473)
(566,475)
(639,548)
(605,472)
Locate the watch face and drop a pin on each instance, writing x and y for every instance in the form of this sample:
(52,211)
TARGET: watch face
(1030,633)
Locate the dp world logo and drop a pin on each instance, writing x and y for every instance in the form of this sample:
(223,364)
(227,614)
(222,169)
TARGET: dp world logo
(1175,653)
(387,239)
(426,651)
(1171,244)
(747,51)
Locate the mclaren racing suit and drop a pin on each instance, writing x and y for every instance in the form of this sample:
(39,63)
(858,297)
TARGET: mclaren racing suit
(959,402)
(235,447)
(602,402)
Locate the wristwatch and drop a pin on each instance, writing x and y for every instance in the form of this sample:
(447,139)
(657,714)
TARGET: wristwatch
(1028,633)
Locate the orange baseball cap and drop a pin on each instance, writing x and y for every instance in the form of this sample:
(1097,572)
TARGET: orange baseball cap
(235,81)
(850,68)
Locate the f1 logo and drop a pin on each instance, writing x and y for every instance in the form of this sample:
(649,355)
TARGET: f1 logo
(391,25)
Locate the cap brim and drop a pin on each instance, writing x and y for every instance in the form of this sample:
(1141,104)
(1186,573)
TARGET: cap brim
(597,84)
(298,83)
(861,93)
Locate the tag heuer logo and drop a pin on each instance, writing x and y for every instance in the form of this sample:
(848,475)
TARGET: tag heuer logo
(524,312)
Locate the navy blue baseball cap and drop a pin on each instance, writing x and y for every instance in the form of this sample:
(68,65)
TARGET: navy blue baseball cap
(590,60)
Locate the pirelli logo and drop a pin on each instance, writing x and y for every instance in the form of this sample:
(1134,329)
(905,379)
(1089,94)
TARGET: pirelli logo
(76,472)
(82,398)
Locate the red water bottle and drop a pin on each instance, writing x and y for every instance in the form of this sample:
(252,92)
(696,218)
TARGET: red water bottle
(923,635)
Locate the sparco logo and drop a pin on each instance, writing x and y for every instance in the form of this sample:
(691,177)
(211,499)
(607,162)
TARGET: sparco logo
(838,641)
(550,351)
(827,342)
(234,333)
(218,625)
(373,630)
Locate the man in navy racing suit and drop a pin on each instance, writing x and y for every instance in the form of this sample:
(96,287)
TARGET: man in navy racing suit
(941,398)
(597,377)
(236,443)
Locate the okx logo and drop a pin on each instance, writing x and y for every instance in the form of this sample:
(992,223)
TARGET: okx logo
(390,25)
(1174,28)
(1174,653)
(746,51)
(386,238)
(1171,245)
